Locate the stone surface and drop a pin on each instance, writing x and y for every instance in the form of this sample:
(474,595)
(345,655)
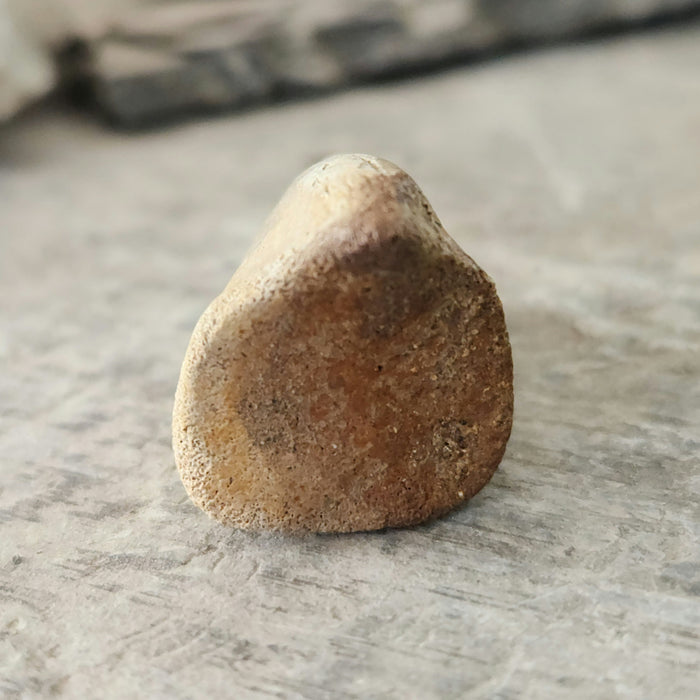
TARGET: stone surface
(355,373)
(572,176)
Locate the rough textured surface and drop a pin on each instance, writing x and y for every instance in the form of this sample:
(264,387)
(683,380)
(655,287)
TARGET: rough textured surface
(356,371)
(572,177)
(150,60)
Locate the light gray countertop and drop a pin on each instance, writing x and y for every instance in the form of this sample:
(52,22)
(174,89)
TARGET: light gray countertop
(572,176)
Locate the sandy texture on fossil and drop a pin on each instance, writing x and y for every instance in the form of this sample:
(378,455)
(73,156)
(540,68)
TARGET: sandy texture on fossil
(356,371)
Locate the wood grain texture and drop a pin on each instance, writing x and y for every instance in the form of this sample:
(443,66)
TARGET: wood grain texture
(572,176)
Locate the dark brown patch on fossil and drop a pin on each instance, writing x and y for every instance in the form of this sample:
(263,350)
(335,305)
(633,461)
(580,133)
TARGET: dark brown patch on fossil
(397,282)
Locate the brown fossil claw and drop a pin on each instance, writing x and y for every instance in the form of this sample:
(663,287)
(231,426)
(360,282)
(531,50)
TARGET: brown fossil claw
(356,371)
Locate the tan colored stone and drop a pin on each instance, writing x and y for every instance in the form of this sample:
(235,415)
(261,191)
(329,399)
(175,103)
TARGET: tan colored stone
(356,371)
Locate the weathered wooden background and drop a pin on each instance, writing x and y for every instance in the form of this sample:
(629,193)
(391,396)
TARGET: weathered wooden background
(573,177)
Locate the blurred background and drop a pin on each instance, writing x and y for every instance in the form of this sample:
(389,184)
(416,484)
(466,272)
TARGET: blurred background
(137,62)
(142,145)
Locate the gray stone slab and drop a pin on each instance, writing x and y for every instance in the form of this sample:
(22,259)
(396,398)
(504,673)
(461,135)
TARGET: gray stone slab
(116,49)
(572,177)
(298,46)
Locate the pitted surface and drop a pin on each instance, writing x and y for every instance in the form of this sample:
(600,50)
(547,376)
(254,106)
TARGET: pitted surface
(368,384)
